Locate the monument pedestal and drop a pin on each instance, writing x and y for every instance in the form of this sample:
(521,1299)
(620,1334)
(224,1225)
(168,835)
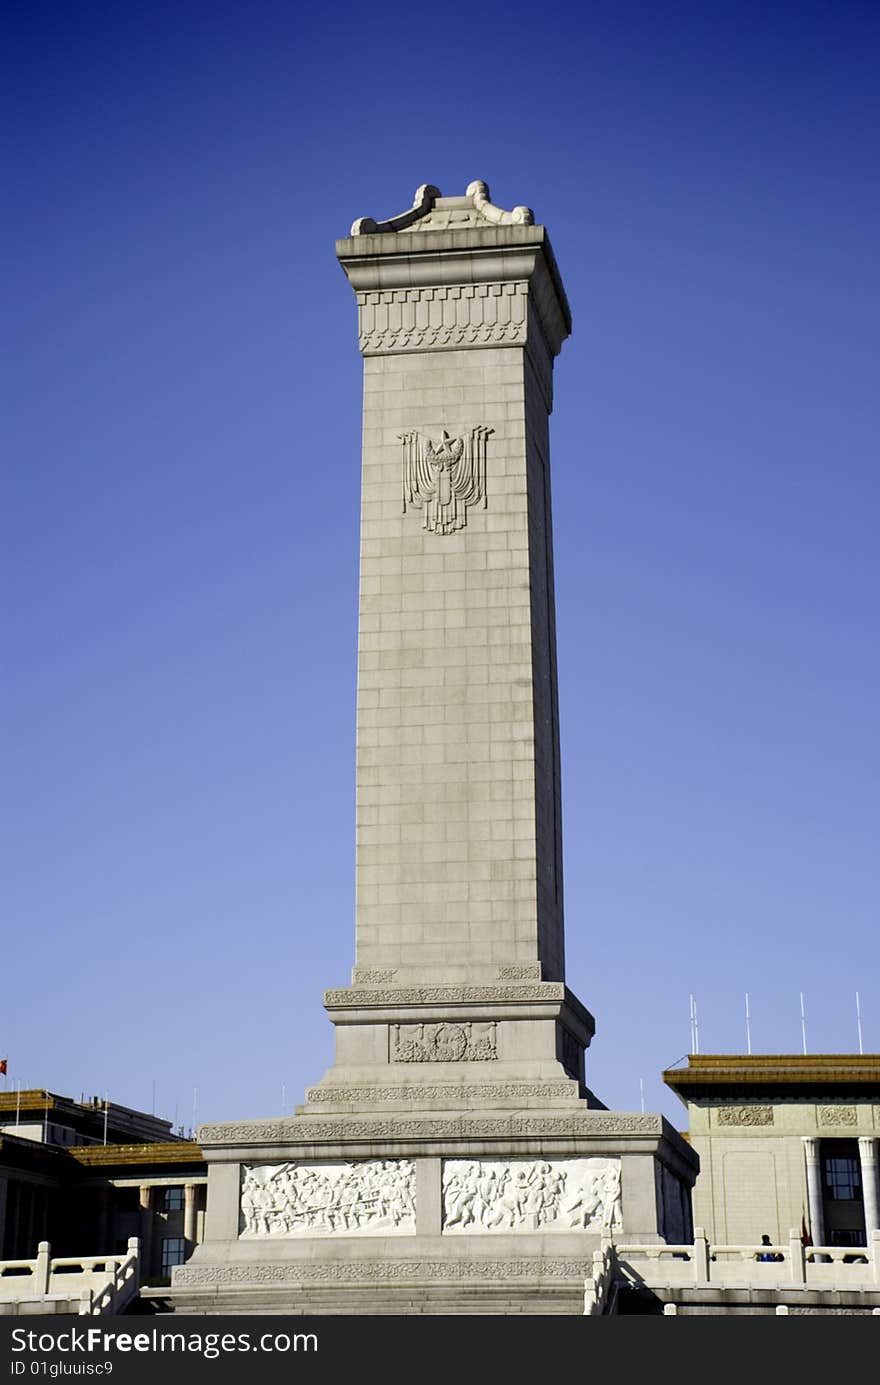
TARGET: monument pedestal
(452,1159)
(443,1165)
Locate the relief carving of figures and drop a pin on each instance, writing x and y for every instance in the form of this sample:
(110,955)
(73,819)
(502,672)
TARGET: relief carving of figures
(442,479)
(443,1043)
(329,1199)
(524,1195)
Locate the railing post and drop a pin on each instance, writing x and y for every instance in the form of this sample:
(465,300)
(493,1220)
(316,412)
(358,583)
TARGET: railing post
(41,1268)
(874,1254)
(701,1256)
(85,1303)
(798,1264)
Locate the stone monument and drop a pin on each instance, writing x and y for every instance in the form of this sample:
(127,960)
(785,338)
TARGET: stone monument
(452,1159)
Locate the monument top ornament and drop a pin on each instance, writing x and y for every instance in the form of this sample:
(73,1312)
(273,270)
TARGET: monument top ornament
(431,211)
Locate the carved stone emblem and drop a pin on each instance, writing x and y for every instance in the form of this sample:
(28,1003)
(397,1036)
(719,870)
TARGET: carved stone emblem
(442,479)
(838,1115)
(745,1115)
(531,1195)
(329,1199)
(443,1043)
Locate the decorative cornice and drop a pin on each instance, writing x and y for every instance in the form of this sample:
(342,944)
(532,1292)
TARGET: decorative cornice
(442,317)
(184,1152)
(485,1092)
(305,1129)
(710,1071)
(444,995)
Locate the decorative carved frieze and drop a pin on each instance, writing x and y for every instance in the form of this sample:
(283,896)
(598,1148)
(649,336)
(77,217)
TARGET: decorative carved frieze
(745,1115)
(306,1129)
(485,1092)
(443,1043)
(383,1271)
(366,976)
(522,971)
(838,1115)
(443,479)
(446,995)
(431,319)
(375,1197)
(531,1195)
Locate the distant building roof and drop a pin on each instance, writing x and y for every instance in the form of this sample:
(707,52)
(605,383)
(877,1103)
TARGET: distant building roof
(723,1074)
(86,1119)
(104,1156)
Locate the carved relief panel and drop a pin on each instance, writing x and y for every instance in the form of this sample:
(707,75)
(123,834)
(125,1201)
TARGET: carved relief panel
(376,1197)
(443,1043)
(443,477)
(531,1195)
(744,1115)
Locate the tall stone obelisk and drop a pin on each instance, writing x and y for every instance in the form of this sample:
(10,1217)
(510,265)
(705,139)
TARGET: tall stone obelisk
(453,1145)
(461,311)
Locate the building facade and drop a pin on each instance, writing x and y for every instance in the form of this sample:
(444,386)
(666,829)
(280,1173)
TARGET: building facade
(785,1142)
(88,1175)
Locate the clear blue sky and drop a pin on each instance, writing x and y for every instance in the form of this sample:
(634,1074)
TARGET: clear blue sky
(180,514)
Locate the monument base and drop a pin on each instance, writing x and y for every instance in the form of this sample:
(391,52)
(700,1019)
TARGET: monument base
(447,1211)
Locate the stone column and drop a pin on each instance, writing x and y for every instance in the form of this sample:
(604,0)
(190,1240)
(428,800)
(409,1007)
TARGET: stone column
(814,1190)
(4,1185)
(868,1159)
(146,1235)
(105,1234)
(190,1207)
(459,856)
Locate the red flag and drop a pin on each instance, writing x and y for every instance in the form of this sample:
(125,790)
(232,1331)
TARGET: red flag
(805,1232)
(2,1065)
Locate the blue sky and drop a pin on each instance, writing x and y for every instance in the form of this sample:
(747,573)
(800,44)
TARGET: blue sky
(180,514)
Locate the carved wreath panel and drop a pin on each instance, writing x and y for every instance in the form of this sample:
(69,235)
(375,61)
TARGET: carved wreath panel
(745,1115)
(443,1043)
(370,1198)
(531,1195)
(838,1115)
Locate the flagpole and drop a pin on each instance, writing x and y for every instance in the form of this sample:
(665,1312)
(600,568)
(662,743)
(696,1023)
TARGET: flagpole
(859,1021)
(803,1025)
(748,1028)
